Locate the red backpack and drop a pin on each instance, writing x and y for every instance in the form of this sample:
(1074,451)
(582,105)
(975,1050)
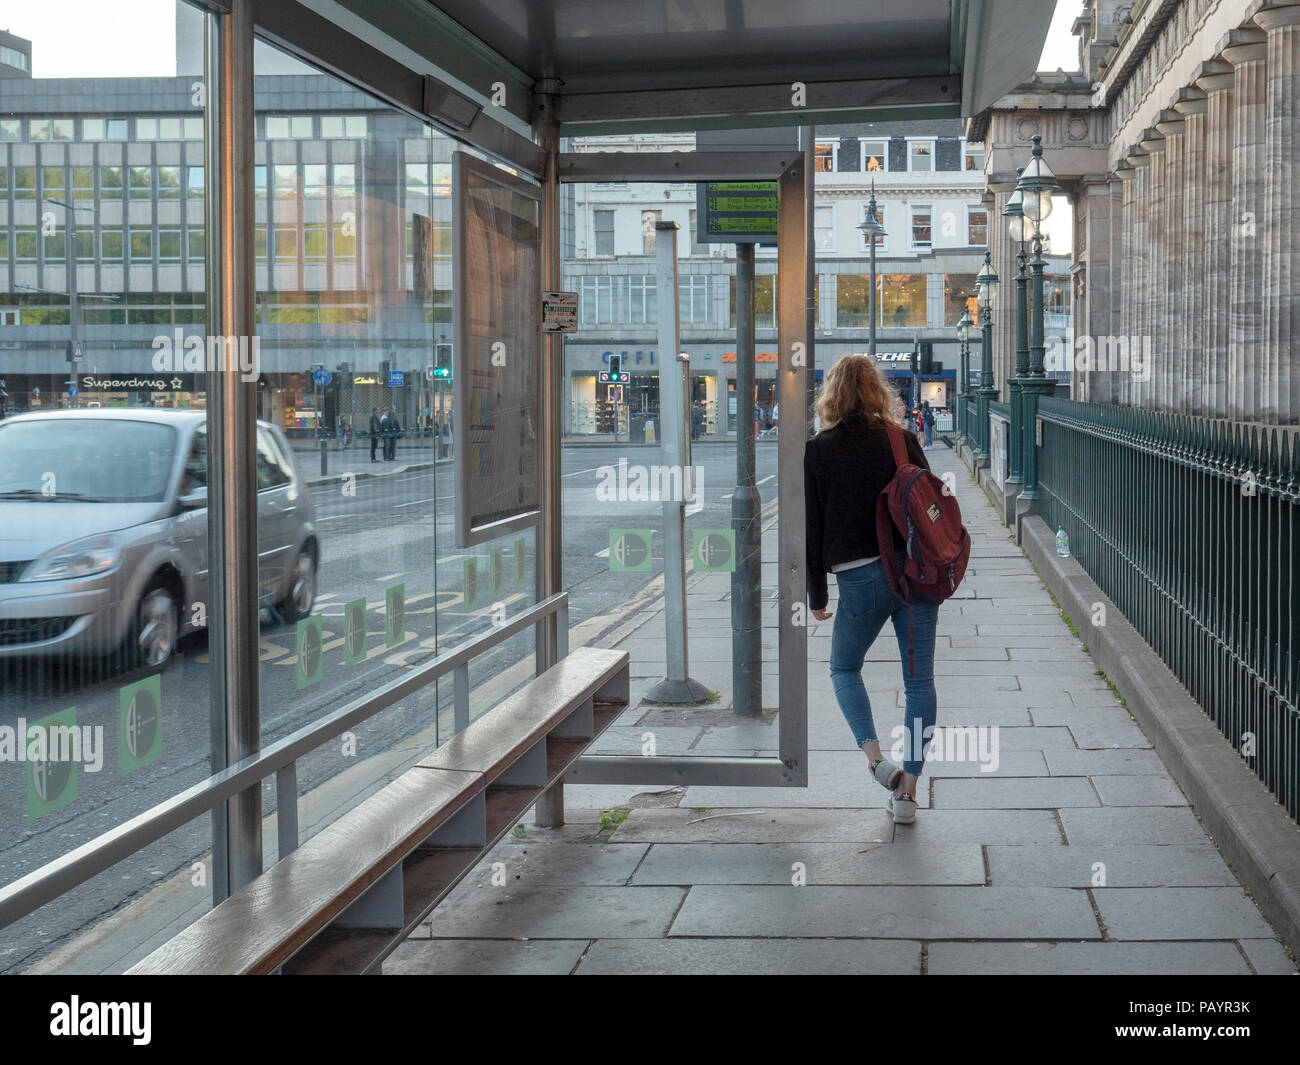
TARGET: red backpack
(919,505)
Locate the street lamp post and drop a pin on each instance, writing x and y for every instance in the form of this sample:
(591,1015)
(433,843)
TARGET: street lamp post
(1016,224)
(963,384)
(70,258)
(986,283)
(1037,182)
(874,232)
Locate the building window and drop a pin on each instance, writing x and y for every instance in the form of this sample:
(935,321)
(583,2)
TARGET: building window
(824,157)
(977,226)
(286,244)
(259,182)
(169,129)
(417,179)
(141,181)
(921,226)
(642,299)
(169,182)
(52,181)
(880,216)
(603,229)
(101,129)
(345,179)
(902,301)
(825,227)
(110,182)
(853,300)
(25,244)
(13,57)
(194,182)
(83,182)
(169,244)
(875,155)
(140,239)
(24,182)
(315,178)
(920,155)
(693,297)
(596,300)
(959,296)
(11,129)
(110,246)
(690,234)
(193,129)
(345,242)
(354,125)
(972,156)
(764,301)
(53,247)
(146,129)
(648,220)
(195,250)
(313,243)
(285,177)
(51,129)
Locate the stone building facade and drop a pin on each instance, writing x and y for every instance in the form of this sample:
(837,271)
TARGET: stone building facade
(1177,146)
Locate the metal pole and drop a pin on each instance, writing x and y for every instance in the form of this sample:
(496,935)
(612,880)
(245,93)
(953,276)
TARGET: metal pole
(746,579)
(232,432)
(70,214)
(676,688)
(1016,444)
(871,302)
(1035,383)
(548,811)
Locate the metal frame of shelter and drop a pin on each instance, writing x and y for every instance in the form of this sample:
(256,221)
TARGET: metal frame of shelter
(416,57)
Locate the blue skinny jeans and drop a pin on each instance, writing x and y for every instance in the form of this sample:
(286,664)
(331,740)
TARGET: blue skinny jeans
(866,603)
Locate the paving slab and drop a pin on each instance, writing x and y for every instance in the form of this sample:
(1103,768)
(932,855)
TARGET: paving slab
(1180,913)
(1084,959)
(818,863)
(863,825)
(547,862)
(1092,763)
(1014,793)
(1132,824)
(572,912)
(484,957)
(1144,790)
(947,828)
(1267,957)
(888,912)
(750,957)
(1079,865)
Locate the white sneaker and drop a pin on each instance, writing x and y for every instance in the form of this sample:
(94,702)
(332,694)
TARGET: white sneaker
(903,807)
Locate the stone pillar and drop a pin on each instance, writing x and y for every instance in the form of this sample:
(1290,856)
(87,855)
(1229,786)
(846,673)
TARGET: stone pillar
(1094,204)
(1121,184)
(1168,339)
(1135,291)
(1147,349)
(1004,318)
(1280,377)
(1215,289)
(1247,54)
(1191,105)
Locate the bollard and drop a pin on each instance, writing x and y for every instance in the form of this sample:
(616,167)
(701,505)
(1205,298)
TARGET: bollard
(324,457)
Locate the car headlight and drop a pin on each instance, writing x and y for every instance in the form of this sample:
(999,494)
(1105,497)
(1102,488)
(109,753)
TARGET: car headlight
(81,558)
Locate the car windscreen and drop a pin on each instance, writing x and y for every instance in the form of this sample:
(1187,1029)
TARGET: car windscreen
(85,459)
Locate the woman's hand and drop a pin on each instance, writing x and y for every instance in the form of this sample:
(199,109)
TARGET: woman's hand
(821,615)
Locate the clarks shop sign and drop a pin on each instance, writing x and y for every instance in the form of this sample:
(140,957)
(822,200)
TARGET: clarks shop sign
(161,383)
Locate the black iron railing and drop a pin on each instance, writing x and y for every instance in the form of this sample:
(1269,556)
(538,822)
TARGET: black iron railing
(1189,526)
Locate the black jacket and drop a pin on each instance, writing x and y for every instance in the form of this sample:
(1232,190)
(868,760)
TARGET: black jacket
(845,468)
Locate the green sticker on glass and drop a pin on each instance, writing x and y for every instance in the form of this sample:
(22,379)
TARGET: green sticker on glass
(395,614)
(354,632)
(496,569)
(52,751)
(714,550)
(471,582)
(521,560)
(311,651)
(629,550)
(140,706)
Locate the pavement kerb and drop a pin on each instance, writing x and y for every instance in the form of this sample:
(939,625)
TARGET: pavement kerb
(361,475)
(1251,829)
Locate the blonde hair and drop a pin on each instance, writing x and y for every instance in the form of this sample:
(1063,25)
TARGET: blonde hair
(855,385)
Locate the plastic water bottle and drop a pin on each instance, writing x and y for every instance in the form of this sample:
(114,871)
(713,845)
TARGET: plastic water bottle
(1062,542)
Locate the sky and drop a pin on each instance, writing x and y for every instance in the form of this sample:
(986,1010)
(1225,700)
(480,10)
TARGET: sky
(94,40)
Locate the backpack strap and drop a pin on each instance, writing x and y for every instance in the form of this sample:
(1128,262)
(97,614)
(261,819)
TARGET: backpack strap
(896,443)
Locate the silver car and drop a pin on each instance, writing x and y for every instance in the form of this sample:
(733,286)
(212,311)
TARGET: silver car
(104,533)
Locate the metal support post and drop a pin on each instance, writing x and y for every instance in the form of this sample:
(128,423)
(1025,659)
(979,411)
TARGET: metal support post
(746,504)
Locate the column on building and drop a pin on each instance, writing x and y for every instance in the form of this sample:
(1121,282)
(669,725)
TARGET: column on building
(1215,289)
(1120,241)
(1168,340)
(1247,53)
(1191,106)
(1280,377)
(1004,314)
(1150,353)
(1093,310)
(1135,207)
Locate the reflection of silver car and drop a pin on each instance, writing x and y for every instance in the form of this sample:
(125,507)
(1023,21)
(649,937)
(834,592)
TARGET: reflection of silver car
(104,532)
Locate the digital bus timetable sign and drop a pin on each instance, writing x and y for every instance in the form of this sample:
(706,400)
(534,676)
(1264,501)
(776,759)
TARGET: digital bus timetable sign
(735,212)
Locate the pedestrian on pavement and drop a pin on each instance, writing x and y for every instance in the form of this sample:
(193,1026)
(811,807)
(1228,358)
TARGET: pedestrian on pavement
(393,430)
(927,423)
(697,419)
(846,467)
(376,424)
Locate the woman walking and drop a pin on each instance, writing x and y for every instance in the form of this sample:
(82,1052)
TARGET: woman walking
(846,467)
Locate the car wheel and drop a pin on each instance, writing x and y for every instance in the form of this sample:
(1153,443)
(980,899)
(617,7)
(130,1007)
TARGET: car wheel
(301,596)
(152,640)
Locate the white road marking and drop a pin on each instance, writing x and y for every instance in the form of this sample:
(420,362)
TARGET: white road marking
(578,473)
(413,502)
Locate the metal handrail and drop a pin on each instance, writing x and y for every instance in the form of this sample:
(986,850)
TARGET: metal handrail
(93,857)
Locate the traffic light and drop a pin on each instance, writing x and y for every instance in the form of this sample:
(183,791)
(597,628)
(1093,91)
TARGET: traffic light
(442,361)
(927,357)
(615,366)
